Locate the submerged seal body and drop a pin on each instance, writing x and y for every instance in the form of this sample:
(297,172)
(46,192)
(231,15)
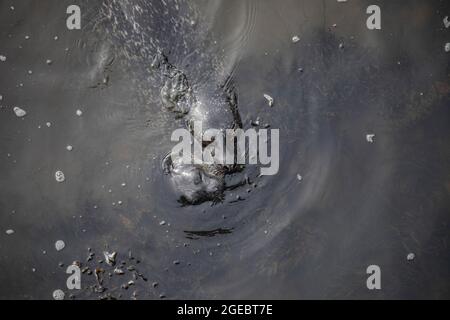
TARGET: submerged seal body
(143,30)
(215,107)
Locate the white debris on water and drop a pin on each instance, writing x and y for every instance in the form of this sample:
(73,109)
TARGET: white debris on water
(295,39)
(60,177)
(411,256)
(446,22)
(2,58)
(19,112)
(299,177)
(69,148)
(447,47)
(110,258)
(370,138)
(79,113)
(118,271)
(48,124)
(269,99)
(60,245)
(58,294)
(9,232)
(49,62)
(1,97)
(162,223)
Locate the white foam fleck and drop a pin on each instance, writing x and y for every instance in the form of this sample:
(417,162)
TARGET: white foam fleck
(269,99)
(370,138)
(59,245)
(446,22)
(58,294)
(60,177)
(19,112)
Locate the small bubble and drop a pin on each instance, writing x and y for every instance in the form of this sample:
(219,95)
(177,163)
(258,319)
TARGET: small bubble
(58,294)
(60,177)
(370,138)
(19,112)
(269,99)
(60,245)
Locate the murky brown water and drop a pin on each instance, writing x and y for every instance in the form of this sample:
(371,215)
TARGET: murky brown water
(358,203)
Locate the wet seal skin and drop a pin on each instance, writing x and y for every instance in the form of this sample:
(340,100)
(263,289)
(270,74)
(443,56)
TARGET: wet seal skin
(216,108)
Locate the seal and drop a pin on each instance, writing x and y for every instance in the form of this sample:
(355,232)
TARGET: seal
(215,107)
(142,29)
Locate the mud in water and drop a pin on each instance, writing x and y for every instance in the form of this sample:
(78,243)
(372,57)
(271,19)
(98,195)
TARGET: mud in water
(338,204)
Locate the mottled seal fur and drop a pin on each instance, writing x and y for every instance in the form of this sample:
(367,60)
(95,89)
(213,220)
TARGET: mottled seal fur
(216,107)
